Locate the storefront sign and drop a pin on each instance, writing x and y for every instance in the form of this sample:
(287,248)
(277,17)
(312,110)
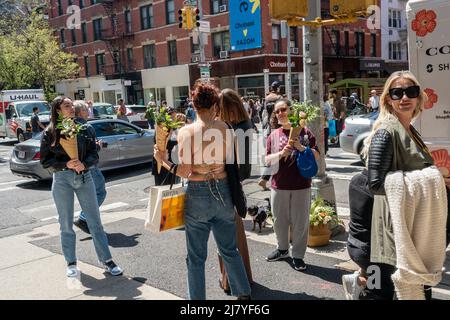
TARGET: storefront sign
(371,65)
(245,24)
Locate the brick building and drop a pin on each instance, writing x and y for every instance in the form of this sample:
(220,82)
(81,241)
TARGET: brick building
(135,49)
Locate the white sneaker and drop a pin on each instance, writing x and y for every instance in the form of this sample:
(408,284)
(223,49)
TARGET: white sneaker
(72,271)
(352,289)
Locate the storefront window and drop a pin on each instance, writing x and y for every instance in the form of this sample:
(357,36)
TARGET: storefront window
(154,94)
(180,94)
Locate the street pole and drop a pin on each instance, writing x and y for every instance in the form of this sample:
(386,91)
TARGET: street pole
(200,34)
(289,69)
(313,93)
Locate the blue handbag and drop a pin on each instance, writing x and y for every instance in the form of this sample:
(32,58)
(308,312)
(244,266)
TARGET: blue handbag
(332,128)
(306,163)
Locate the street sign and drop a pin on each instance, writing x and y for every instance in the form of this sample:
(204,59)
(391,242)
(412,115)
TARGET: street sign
(245,25)
(81,94)
(127,83)
(205,26)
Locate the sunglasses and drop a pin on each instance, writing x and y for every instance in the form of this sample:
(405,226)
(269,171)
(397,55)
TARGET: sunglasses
(281,110)
(411,92)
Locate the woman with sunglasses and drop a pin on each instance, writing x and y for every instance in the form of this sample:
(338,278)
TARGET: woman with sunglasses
(394,144)
(291,193)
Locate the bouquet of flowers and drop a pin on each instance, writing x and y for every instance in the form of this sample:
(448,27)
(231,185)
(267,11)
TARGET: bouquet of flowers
(164,127)
(299,117)
(69,131)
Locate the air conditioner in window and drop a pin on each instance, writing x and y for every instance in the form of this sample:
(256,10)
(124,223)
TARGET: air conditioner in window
(195,58)
(294,50)
(223,54)
(223,8)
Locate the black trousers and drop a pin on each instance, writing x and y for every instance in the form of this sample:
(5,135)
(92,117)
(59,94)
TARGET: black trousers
(326,134)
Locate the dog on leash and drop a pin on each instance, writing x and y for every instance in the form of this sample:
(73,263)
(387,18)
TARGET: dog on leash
(259,216)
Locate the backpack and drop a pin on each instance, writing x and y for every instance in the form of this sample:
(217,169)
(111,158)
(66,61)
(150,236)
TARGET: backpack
(306,163)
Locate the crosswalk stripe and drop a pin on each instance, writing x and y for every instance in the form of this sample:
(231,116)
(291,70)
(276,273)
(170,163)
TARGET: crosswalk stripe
(9,189)
(106,207)
(14,181)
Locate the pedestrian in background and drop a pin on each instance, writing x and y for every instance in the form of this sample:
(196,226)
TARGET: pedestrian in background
(328,116)
(150,114)
(92,113)
(374,101)
(207,188)
(82,115)
(291,192)
(122,111)
(72,177)
(36,124)
(191,115)
(232,112)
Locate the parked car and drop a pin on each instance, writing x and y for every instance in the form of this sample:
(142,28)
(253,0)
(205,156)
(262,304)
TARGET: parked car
(356,129)
(124,145)
(104,110)
(136,115)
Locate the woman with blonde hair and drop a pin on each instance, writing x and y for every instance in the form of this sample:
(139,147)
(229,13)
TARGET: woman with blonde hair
(232,111)
(393,145)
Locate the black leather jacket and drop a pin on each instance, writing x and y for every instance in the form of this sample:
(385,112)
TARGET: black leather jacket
(381,153)
(55,158)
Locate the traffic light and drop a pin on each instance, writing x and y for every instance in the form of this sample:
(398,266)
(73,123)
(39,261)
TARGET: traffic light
(339,8)
(196,17)
(285,9)
(182,18)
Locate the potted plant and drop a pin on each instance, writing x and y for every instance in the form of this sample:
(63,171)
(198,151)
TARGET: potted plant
(322,215)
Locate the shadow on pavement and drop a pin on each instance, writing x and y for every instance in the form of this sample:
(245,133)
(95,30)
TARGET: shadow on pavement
(119,240)
(260,292)
(44,185)
(127,290)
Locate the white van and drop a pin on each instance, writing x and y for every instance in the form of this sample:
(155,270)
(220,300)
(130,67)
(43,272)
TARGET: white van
(16,109)
(429,60)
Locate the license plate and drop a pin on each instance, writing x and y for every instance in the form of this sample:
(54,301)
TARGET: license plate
(21,154)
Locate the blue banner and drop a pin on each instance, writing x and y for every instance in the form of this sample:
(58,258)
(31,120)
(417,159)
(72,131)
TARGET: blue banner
(245,24)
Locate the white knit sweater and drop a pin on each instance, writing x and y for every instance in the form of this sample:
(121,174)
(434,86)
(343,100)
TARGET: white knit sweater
(418,207)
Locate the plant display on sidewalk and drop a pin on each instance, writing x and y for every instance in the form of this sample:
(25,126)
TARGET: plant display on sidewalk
(69,131)
(322,213)
(165,124)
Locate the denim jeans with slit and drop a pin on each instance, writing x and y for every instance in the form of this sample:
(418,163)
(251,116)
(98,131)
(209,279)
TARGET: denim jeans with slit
(208,207)
(100,189)
(65,185)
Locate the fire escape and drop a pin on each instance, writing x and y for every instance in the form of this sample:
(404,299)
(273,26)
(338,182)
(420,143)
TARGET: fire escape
(116,37)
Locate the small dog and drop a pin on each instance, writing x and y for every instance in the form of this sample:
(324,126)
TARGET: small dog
(259,216)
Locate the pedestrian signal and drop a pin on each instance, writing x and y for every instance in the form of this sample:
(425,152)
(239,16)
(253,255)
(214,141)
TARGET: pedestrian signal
(342,8)
(286,9)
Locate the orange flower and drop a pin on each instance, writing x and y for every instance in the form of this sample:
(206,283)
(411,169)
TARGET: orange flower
(424,23)
(432,98)
(322,214)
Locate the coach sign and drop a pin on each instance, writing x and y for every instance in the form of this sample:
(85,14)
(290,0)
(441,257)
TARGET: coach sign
(371,65)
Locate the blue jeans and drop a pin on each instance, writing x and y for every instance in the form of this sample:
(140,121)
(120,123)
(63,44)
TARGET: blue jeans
(65,185)
(151,124)
(208,206)
(99,182)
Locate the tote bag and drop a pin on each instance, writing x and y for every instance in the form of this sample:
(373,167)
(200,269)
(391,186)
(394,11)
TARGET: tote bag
(306,163)
(166,207)
(332,128)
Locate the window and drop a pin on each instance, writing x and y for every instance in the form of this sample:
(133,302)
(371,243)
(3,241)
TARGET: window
(116,60)
(221,42)
(120,129)
(60,8)
(130,58)
(61,34)
(97,23)
(128,28)
(172,52)
(81,4)
(395,51)
(146,17)
(70,2)
(100,62)
(73,36)
(336,42)
(218,5)
(294,37)
(347,43)
(170,11)
(149,56)
(276,38)
(84,32)
(86,66)
(373,45)
(395,18)
(93,2)
(359,43)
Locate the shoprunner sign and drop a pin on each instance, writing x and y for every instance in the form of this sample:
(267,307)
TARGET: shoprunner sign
(245,25)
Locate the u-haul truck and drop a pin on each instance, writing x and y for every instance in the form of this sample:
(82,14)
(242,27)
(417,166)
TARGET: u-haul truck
(16,109)
(429,60)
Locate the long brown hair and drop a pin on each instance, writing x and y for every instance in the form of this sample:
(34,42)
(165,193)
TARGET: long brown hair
(55,106)
(230,102)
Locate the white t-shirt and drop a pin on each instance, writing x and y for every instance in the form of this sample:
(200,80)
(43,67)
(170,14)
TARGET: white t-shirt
(375,102)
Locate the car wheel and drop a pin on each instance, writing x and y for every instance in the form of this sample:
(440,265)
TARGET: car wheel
(360,152)
(21,136)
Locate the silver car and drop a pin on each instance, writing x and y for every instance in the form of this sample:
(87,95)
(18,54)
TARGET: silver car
(357,128)
(124,144)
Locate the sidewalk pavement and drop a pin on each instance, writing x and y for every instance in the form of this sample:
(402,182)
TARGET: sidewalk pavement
(28,272)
